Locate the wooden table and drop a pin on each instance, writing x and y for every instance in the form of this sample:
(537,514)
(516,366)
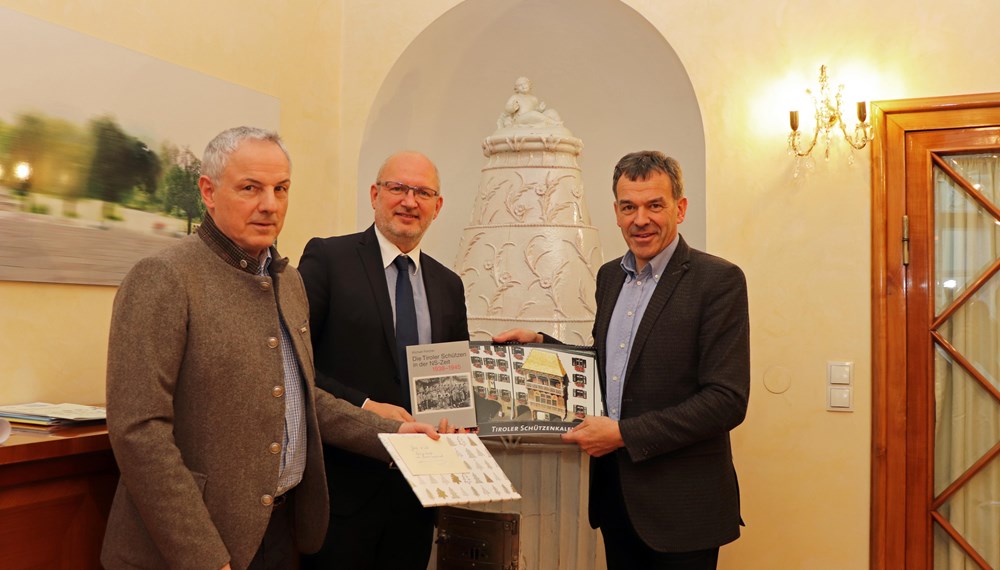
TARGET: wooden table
(55,494)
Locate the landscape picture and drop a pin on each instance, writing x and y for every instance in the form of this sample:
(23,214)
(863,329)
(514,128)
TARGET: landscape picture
(99,151)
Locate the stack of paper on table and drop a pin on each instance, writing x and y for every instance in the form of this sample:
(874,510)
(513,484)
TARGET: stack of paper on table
(45,416)
(456,469)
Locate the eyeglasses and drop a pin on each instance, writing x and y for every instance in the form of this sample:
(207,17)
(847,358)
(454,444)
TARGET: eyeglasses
(400,189)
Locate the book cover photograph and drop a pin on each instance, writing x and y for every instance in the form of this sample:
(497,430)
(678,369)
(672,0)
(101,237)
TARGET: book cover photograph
(501,389)
(453,470)
(533,389)
(440,383)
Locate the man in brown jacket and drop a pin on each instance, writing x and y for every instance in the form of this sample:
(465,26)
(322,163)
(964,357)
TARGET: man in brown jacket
(212,412)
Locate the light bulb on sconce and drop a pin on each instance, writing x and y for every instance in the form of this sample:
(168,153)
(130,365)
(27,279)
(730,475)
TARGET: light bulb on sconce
(829,119)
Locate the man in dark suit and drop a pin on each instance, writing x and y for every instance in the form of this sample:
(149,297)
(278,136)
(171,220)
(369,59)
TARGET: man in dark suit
(672,334)
(351,281)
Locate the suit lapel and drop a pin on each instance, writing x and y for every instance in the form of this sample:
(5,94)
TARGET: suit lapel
(672,274)
(614,279)
(606,305)
(371,260)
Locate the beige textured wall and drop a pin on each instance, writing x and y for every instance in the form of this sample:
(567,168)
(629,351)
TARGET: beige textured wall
(804,244)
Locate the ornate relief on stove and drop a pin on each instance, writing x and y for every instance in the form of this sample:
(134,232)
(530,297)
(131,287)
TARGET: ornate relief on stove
(529,255)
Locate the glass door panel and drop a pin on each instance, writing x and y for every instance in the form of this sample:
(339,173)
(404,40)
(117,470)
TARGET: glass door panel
(948,555)
(974,511)
(965,421)
(972,330)
(966,238)
(967,360)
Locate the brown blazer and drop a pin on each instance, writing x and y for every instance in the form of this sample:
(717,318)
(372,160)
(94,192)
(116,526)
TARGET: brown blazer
(194,389)
(686,385)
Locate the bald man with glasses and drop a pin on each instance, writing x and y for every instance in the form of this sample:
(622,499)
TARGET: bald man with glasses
(370,295)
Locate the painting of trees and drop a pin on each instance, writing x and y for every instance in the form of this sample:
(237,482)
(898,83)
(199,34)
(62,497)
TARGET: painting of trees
(57,151)
(94,168)
(120,164)
(181,186)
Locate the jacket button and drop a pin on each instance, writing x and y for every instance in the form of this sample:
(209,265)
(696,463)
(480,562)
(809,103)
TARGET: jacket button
(278,391)
(265,285)
(272,342)
(243,264)
(274,448)
(303,330)
(267,500)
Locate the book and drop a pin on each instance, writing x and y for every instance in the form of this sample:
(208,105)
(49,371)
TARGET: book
(533,389)
(48,428)
(456,469)
(441,384)
(504,389)
(33,427)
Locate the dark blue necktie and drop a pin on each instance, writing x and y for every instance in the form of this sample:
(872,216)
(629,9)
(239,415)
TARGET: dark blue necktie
(406,321)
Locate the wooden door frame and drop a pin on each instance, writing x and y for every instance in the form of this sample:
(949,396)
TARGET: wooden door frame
(891,121)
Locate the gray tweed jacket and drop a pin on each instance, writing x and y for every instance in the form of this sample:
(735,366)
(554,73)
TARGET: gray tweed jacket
(194,403)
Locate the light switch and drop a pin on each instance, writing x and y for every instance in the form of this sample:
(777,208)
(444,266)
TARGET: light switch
(839,399)
(839,372)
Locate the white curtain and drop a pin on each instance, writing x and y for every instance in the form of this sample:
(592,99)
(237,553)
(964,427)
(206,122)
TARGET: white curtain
(967,416)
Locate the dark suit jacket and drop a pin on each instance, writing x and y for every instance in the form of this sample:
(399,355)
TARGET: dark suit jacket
(354,340)
(686,386)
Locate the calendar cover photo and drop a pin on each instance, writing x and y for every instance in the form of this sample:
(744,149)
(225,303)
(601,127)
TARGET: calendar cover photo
(504,389)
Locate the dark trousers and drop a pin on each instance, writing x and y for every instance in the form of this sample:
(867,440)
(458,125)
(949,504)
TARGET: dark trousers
(393,531)
(624,549)
(277,550)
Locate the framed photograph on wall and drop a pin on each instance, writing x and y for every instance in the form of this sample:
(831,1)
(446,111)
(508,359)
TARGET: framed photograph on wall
(100,151)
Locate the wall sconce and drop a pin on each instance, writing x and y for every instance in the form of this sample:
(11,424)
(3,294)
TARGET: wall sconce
(829,118)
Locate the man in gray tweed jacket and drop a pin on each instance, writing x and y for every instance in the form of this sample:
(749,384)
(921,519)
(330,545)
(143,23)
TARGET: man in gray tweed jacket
(212,412)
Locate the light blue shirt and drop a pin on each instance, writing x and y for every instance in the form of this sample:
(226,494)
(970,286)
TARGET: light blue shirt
(629,308)
(293,450)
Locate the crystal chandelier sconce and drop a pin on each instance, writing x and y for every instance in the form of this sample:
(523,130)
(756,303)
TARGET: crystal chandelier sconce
(829,120)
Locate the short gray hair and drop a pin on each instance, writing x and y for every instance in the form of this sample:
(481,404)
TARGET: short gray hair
(640,165)
(216,155)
